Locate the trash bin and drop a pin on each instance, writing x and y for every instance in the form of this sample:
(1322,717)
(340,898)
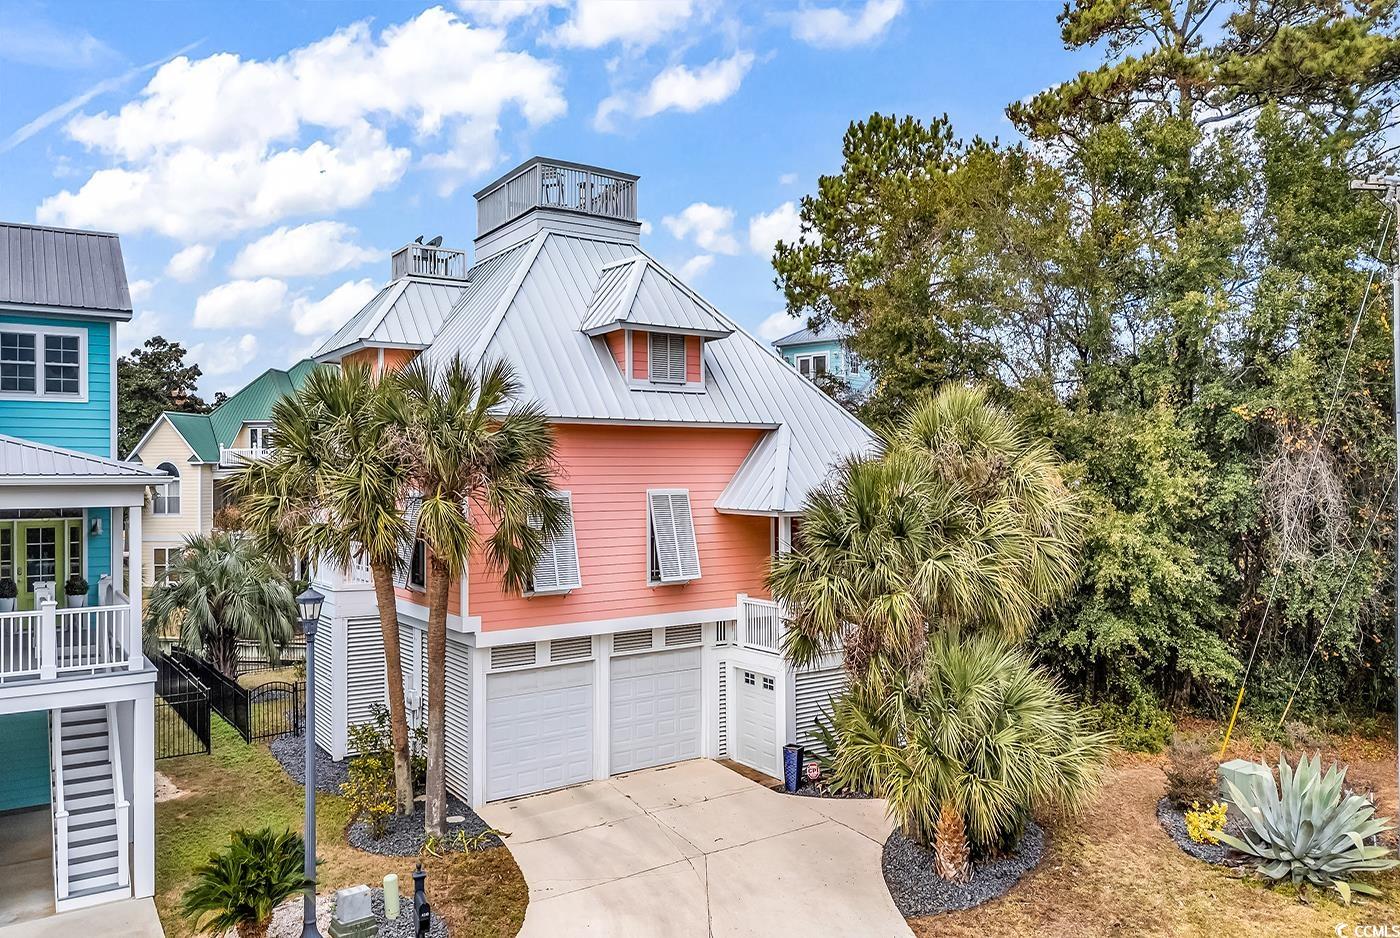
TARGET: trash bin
(792,766)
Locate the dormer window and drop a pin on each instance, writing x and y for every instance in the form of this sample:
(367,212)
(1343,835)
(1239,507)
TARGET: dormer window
(666,358)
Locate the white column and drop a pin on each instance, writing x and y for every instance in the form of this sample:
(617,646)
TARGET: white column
(478,659)
(48,640)
(142,795)
(602,706)
(785,534)
(134,585)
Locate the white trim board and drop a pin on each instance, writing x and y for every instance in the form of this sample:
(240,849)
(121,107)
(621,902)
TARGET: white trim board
(539,633)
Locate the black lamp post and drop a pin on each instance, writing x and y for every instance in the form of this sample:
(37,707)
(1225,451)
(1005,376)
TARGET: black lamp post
(309,611)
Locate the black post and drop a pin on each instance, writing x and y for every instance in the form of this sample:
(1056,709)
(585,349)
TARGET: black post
(422,913)
(309,606)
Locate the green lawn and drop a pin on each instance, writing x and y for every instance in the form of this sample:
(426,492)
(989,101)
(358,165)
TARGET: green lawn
(241,785)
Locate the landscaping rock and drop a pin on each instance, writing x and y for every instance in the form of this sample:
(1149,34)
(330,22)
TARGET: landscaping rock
(290,752)
(819,790)
(286,918)
(403,926)
(1173,821)
(404,836)
(918,890)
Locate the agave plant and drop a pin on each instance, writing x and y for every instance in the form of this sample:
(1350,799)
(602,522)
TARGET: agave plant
(1306,829)
(239,888)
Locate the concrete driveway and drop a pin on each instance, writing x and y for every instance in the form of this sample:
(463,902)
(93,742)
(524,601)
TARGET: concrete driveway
(694,849)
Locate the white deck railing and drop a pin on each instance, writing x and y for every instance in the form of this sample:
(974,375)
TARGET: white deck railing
(555,184)
(240,455)
(429,261)
(760,624)
(45,643)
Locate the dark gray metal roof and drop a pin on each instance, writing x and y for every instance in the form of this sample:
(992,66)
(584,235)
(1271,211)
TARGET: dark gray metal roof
(60,268)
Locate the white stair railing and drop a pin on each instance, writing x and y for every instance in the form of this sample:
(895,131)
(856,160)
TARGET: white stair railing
(119,797)
(60,812)
(760,624)
(91,637)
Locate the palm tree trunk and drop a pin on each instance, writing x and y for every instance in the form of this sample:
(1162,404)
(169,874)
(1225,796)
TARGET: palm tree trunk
(435,810)
(383,576)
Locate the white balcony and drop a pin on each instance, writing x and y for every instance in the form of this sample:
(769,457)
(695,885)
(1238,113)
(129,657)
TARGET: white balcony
(236,457)
(556,184)
(49,643)
(423,260)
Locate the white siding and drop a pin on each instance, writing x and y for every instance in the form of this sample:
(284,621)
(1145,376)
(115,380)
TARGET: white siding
(364,669)
(324,668)
(458,730)
(722,714)
(815,690)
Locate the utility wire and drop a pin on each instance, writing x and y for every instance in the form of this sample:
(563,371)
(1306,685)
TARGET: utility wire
(1322,436)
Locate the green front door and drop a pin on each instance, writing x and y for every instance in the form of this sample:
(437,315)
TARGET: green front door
(41,548)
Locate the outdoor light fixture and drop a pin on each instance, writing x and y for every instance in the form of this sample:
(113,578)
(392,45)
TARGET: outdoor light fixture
(309,610)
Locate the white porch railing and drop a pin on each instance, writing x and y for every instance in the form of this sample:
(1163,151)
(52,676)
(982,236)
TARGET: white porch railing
(240,455)
(760,624)
(45,643)
(114,749)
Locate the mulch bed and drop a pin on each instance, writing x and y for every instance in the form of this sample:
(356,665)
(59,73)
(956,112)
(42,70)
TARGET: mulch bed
(404,835)
(918,890)
(1173,821)
(290,752)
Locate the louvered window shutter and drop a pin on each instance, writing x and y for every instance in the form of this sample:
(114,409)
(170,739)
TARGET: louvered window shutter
(557,569)
(673,537)
(410,516)
(666,357)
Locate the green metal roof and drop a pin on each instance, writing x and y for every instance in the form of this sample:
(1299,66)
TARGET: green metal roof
(206,433)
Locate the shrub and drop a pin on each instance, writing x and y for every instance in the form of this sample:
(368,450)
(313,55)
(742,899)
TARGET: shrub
(1203,825)
(1192,772)
(240,887)
(9,589)
(370,790)
(75,586)
(978,727)
(1306,829)
(1139,726)
(375,737)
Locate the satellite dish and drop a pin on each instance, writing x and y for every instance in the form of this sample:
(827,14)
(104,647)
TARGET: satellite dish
(418,240)
(436,242)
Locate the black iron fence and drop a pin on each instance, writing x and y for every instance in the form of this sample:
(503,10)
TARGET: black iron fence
(271,709)
(182,711)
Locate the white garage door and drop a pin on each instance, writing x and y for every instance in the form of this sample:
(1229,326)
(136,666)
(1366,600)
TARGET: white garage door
(655,707)
(756,703)
(539,729)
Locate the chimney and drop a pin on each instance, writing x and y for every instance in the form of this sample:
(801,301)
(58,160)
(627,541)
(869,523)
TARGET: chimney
(542,194)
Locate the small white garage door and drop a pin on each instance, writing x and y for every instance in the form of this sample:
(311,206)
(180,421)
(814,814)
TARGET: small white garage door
(655,709)
(756,705)
(539,729)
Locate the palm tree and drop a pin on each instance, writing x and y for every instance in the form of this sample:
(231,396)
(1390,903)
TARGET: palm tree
(238,888)
(332,488)
(961,522)
(483,464)
(222,590)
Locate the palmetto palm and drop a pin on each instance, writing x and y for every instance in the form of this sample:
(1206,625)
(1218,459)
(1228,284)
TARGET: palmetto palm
(483,464)
(977,727)
(221,590)
(239,888)
(332,487)
(961,522)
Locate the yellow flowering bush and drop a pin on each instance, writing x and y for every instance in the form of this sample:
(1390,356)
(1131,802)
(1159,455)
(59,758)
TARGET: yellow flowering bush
(1203,825)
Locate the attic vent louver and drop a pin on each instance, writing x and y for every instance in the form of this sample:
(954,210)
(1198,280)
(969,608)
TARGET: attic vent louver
(571,649)
(513,656)
(683,635)
(639,640)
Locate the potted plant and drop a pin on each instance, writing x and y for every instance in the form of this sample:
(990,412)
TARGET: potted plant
(8,591)
(76,589)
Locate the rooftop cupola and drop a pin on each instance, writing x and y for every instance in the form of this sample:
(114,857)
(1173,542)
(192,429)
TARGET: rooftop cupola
(431,261)
(542,194)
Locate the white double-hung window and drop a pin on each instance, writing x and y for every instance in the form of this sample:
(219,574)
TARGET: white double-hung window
(673,557)
(42,362)
(557,569)
(666,358)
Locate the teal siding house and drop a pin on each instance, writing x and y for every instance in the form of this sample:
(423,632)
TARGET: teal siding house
(76,691)
(815,353)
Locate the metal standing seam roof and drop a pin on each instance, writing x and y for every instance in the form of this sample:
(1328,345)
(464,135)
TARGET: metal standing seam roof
(827,333)
(206,433)
(63,269)
(638,292)
(407,312)
(25,459)
(549,282)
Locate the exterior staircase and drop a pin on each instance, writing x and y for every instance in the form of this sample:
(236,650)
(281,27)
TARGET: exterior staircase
(91,812)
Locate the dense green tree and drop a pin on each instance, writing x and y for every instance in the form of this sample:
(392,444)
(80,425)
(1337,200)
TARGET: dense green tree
(152,379)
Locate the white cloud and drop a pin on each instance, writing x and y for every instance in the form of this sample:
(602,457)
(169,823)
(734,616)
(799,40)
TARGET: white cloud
(189,262)
(138,329)
(710,226)
(140,289)
(596,23)
(224,356)
(646,227)
(218,145)
(767,228)
(778,325)
(320,247)
(835,28)
(313,317)
(237,303)
(679,88)
(31,41)
(503,12)
(696,266)
(787,179)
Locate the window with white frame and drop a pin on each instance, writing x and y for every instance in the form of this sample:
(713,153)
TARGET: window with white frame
(162,559)
(258,437)
(166,498)
(557,569)
(666,358)
(673,557)
(812,365)
(418,566)
(38,362)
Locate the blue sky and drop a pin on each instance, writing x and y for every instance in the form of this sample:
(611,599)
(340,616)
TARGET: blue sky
(261,161)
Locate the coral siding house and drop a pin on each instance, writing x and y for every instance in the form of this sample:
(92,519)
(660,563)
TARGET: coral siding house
(686,448)
(77,791)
